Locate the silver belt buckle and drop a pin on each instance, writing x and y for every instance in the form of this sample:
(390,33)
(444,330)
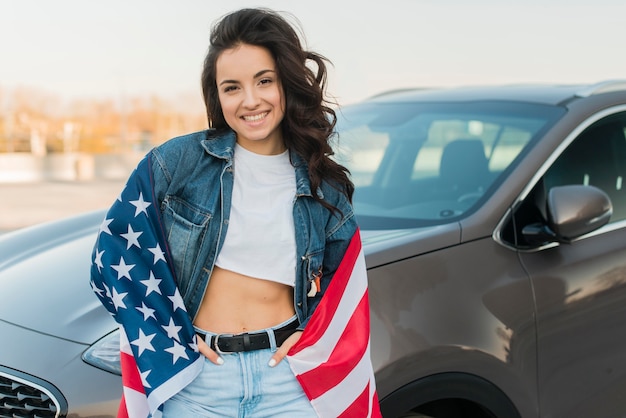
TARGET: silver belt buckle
(217,346)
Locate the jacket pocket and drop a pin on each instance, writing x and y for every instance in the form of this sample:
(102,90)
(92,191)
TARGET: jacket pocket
(185,228)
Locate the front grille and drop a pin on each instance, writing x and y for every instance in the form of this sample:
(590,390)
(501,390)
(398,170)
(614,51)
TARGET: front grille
(22,395)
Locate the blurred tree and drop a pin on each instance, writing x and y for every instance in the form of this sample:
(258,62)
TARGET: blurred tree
(35,121)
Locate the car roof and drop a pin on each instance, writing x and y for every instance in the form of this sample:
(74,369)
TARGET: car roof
(549,94)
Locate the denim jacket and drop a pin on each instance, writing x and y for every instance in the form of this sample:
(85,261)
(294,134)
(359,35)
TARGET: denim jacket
(193,182)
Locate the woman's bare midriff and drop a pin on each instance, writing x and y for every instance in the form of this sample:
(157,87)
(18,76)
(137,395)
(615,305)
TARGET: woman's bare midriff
(235,303)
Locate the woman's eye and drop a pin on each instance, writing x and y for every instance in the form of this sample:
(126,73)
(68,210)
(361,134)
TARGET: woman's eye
(229,89)
(266,81)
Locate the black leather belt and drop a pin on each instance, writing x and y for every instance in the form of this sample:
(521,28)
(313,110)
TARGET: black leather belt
(233,343)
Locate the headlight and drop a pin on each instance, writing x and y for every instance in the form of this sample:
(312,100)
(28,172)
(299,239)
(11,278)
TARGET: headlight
(105,353)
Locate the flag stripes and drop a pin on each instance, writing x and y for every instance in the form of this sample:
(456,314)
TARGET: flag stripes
(346,354)
(332,358)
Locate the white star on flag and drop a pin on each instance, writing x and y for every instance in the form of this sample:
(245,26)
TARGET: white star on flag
(131,237)
(143,342)
(123,269)
(147,312)
(144,378)
(118,299)
(158,253)
(98,260)
(104,226)
(152,284)
(140,205)
(177,351)
(177,301)
(172,330)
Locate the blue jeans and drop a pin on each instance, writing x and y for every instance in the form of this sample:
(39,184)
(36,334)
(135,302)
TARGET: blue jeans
(244,386)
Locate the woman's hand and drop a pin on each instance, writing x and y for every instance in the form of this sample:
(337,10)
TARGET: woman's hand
(284,349)
(209,353)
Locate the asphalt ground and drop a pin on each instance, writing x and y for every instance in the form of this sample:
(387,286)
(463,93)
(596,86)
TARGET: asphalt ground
(26,204)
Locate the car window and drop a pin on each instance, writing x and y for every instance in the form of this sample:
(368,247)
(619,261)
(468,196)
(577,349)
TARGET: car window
(597,157)
(417,164)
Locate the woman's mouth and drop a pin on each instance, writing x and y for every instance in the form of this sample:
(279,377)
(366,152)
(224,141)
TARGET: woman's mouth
(254,118)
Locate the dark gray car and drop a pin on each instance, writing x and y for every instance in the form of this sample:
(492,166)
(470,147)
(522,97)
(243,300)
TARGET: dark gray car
(494,227)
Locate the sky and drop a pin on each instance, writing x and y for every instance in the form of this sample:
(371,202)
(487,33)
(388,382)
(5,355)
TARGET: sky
(115,48)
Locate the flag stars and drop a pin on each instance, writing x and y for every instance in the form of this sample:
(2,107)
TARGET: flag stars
(177,351)
(140,205)
(131,237)
(172,330)
(153,337)
(147,312)
(118,299)
(144,378)
(158,253)
(177,301)
(123,269)
(152,284)
(143,342)
(104,226)
(98,260)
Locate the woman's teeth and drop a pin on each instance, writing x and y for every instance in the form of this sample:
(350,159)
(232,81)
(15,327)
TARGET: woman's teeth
(255,118)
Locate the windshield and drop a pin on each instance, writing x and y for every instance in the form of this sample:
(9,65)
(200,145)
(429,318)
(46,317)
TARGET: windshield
(417,164)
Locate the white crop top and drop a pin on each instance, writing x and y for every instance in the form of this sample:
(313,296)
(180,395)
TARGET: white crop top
(261,241)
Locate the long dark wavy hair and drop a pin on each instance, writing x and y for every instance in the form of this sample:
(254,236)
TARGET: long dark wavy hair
(309,121)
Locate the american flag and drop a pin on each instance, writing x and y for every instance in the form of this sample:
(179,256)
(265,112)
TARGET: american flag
(132,275)
(332,358)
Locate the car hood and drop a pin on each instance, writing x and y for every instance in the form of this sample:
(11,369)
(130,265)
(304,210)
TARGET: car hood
(386,246)
(44,280)
(45,270)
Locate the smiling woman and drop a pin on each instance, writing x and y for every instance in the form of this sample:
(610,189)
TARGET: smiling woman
(250,227)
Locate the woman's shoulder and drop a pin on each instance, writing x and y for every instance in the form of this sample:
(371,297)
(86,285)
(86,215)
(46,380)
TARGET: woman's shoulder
(337,196)
(334,191)
(181,159)
(183,142)
(179,153)
(190,147)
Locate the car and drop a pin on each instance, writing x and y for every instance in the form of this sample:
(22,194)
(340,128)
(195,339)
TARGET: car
(493,222)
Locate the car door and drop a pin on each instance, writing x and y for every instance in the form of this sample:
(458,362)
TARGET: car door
(580,287)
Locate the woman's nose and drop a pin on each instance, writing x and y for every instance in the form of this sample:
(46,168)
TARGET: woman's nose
(251,98)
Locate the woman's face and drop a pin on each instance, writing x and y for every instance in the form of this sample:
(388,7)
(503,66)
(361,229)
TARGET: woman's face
(251,97)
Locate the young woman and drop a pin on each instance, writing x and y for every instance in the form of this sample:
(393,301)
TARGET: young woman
(253,220)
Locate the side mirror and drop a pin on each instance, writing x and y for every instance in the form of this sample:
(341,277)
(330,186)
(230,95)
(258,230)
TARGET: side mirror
(573,211)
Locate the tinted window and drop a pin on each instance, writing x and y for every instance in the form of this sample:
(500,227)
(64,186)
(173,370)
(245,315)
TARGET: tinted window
(598,158)
(429,163)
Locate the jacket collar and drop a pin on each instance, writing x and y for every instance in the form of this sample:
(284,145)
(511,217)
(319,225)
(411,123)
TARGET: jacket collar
(221,144)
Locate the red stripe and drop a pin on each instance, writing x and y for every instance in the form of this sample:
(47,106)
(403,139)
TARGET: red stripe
(360,407)
(130,374)
(325,311)
(122,412)
(376,407)
(350,349)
